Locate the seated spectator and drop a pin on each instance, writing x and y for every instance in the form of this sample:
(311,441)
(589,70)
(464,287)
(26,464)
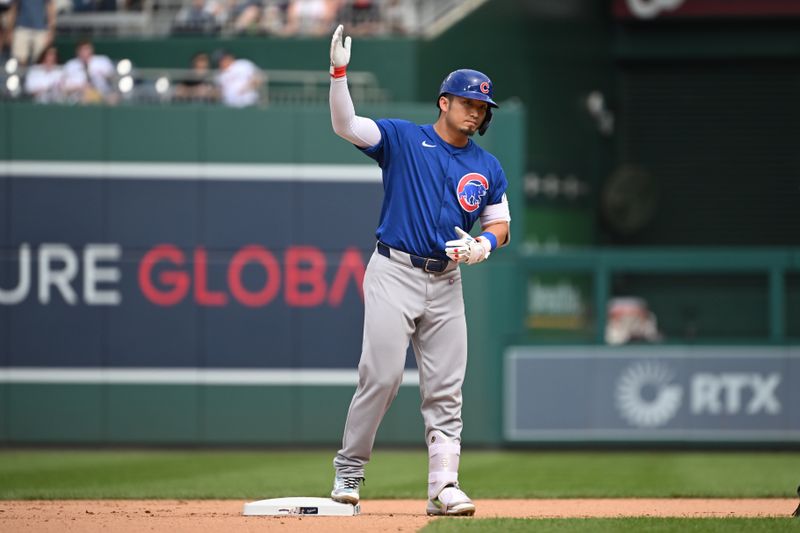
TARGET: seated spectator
(399,17)
(44,80)
(239,81)
(197,17)
(273,18)
(310,17)
(245,15)
(80,6)
(5,29)
(34,26)
(198,85)
(88,77)
(362,16)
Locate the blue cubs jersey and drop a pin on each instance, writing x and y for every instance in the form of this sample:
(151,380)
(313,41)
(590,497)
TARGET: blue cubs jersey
(431,186)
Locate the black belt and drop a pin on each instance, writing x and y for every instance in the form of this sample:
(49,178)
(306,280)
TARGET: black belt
(425,263)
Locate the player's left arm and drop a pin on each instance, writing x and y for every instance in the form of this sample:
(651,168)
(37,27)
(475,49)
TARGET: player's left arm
(495,228)
(500,230)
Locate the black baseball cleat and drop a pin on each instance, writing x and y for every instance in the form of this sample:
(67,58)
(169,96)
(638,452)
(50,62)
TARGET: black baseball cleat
(796,512)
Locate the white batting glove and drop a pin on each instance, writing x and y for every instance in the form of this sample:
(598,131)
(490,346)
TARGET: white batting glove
(340,53)
(468,249)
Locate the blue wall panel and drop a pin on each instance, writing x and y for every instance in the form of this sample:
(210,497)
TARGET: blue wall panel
(7,279)
(57,211)
(56,335)
(141,334)
(239,213)
(143,213)
(235,335)
(338,215)
(5,205)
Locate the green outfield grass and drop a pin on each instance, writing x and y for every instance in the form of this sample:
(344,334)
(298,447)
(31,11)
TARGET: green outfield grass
(393,474)
(616,525)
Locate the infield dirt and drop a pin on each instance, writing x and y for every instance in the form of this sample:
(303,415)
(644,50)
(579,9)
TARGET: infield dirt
(200,516)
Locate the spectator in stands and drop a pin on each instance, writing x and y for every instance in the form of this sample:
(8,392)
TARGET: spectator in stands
(361,16)
(310,17)
(93,5)
(34,25)
(239,80)
(197,17)
(88,77)
(5,30)
(44,81)
(245,15)
(399,17)
(198,85)
(273,18)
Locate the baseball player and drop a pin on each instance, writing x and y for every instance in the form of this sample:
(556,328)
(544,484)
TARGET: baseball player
(436,181)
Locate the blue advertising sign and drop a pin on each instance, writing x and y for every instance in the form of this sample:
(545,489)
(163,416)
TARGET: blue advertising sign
(646,393)
(131,265)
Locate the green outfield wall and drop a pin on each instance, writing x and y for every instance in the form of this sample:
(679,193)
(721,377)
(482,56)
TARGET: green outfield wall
(703,135)
(147,369)
(145,176)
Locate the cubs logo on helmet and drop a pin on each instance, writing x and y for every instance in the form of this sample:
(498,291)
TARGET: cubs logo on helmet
(471,188)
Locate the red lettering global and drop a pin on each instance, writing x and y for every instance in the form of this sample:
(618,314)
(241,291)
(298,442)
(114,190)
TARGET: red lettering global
(167,277)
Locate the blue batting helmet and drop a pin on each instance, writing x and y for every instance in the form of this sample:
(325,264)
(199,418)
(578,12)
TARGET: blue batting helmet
(470,83)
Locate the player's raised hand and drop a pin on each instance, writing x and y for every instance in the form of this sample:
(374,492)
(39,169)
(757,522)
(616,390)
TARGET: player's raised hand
(340,52)
(467,249)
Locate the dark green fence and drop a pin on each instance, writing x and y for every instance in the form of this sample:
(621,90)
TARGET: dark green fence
(726,279)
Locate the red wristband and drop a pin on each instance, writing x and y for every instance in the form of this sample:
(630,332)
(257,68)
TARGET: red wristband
(338,72)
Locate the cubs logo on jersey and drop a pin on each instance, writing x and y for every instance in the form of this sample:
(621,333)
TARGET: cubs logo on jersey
(471,188)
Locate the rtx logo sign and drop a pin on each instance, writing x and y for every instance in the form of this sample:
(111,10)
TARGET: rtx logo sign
(721,393)
(649,394)
(646,396)
(735,393)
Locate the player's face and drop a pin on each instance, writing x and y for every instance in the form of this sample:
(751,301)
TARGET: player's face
(466,115)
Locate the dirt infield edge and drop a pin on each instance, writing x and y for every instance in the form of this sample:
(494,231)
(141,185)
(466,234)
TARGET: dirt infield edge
(177,516)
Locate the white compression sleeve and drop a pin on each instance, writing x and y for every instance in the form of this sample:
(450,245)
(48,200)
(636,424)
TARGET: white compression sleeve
(363,132)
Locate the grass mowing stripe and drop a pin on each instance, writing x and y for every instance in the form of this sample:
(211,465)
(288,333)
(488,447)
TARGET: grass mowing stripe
(629,474)
(393,474)
(613,525)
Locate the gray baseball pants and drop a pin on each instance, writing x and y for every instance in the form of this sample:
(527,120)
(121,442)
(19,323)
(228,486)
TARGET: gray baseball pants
(403,303)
